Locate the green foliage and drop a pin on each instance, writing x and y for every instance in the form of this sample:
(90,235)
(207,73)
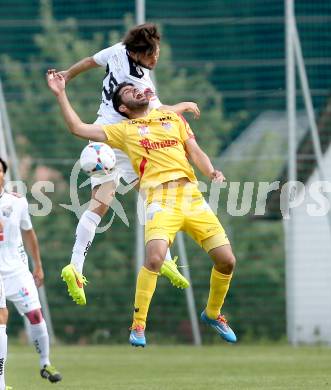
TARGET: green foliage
(177,85)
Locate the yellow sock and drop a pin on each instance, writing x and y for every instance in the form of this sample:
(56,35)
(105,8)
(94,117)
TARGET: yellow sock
(146,284)
(219,286)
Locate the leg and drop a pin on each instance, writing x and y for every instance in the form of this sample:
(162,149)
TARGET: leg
(146,284)
(223,258)
(220,278)
(3,335)
(102,196)
(39,335)
(40,338)
(197,223)
(224,262)
(169,268)
(161,227)
(22,292)
(3,345)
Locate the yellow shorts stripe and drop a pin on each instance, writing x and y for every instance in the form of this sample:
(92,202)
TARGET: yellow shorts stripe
(215,241)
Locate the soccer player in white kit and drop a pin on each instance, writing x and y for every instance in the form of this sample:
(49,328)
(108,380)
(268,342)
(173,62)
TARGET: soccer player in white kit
(127,61)
(20,285)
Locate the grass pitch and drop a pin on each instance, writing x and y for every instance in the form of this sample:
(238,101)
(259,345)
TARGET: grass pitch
(219,367)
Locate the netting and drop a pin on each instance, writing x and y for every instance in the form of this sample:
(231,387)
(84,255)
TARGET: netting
(228,58)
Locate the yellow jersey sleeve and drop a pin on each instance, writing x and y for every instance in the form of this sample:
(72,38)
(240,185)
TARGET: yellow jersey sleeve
(185,130)
(115,135)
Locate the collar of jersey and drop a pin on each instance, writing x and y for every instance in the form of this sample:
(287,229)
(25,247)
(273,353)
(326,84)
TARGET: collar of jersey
(2,192)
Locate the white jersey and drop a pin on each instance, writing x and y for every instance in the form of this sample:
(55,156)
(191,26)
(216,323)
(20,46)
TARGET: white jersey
(14,216)
(120,67)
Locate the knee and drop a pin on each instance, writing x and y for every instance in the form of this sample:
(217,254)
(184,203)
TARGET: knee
(3,316)
(102,196)
(34,316)
(226,264)
(98,208)
(154,262)
(231,262)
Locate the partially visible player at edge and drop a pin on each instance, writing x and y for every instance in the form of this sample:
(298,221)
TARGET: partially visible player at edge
(3,328)
(20,285)
(127,61)
(173,200)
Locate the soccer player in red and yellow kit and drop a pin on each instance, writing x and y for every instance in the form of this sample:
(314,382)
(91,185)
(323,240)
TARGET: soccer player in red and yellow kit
(158,144)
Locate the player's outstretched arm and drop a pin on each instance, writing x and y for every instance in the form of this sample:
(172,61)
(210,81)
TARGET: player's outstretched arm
(94,132)
(32,246)
(202,161)
(182,107)
(81,66)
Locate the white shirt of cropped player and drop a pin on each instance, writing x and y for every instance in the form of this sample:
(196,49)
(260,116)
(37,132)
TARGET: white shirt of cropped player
(120,67)
(19,284)
(14,216)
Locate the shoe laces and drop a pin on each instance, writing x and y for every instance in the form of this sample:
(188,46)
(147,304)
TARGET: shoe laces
(50,369)
(84,280)
(139,329)
(222,320)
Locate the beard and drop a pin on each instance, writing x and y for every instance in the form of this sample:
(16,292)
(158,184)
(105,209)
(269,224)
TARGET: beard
(137,104)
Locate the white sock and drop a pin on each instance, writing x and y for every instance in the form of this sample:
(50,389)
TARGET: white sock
(168,255)
(85,233)
(40,340)
(3,355)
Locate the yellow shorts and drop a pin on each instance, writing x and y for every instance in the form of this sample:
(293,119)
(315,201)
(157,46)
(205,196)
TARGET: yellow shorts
(182,208)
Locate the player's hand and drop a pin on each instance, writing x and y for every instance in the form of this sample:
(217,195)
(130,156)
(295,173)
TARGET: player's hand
(217,176)
(149,93)
(55,81)
(192,107)
(66,75)
(38,276)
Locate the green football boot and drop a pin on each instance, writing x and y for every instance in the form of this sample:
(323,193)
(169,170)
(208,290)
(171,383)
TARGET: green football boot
(169,269)
(50,373)
(75,282)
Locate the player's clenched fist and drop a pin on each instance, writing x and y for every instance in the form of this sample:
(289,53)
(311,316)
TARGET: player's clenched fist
(217,176)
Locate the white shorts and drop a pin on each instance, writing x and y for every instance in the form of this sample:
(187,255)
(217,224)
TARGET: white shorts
(22,291)
(2,294)
(123,167)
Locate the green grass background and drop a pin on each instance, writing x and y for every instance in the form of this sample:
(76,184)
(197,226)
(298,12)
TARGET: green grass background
(219,367)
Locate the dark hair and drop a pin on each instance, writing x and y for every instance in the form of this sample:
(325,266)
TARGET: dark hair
(117,98)
(143,38)
(4,165)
